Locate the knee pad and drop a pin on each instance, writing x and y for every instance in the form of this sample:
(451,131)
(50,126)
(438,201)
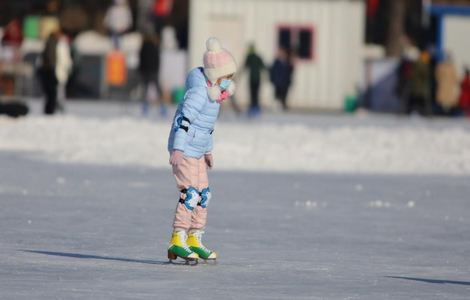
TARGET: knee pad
(190,198)
(206,196)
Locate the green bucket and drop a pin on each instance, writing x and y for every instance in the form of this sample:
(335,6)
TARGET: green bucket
(350,104)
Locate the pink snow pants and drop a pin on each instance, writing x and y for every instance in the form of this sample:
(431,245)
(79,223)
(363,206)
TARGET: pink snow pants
(191,172)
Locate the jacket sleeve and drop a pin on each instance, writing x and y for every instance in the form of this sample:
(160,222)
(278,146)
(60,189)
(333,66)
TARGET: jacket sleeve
(194,101)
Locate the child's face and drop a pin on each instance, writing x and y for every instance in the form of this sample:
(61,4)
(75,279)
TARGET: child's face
(228,77)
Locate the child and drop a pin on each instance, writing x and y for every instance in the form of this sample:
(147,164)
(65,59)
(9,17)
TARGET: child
(190,146)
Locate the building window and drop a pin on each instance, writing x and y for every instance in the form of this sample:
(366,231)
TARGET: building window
(300,39)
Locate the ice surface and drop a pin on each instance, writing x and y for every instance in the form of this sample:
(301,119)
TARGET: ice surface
(74,229)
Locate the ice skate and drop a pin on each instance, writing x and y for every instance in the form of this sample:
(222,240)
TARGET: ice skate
(195,244)
(179,248)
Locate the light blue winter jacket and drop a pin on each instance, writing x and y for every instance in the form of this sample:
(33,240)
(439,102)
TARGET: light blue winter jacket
(196,113)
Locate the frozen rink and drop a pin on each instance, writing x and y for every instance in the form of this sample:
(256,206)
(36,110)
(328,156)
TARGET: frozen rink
(365,207)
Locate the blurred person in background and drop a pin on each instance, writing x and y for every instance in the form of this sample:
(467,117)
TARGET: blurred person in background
(190,146)
(409,56)
(281,75)
(254,64)
(447,85)
(464,99)
(405,70)
(47,73)
(161,11)
(11,40)
(118,20)
(13,35)
(420,86)
(63,67)
(10,55)
(149,67)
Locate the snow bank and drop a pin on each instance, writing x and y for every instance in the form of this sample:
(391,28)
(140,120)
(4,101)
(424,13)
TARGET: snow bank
(247,146)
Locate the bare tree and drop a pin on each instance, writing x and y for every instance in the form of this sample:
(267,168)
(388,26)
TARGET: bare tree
(396,27)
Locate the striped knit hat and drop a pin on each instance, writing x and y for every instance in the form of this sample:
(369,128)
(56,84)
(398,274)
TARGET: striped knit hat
(218,62)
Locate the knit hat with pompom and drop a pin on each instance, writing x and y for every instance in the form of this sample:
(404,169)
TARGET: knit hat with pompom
(218,62)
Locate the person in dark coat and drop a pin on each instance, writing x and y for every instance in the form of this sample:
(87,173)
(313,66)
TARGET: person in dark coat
(149,66)
(47,74)
(281,75)
(254,64)
(403,86)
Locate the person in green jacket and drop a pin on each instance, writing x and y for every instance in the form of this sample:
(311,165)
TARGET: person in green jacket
(254,64)
(420,83)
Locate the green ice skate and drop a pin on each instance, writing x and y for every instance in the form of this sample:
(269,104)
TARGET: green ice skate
(195,244)
(179,248)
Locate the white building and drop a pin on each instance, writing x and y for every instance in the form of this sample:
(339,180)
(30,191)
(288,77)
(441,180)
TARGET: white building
(330,32)
(453,28)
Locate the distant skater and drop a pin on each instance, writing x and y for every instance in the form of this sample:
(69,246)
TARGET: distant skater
(48,75)
(281,75)
(149,66)
(255,66)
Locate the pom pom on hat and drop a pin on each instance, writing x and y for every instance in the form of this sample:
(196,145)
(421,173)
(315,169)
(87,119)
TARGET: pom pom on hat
(213,44)
(218,62)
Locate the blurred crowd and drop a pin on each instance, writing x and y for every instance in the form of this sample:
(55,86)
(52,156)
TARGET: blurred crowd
(52,54)
(429,84)
(39,57)
(58,58)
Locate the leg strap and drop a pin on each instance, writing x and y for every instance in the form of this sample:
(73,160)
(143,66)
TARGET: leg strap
(182,123)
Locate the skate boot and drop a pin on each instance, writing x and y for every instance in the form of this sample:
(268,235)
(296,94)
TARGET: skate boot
(195,244)
(179,248)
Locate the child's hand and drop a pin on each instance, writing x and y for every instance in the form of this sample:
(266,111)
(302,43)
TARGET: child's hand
(209,160)
(176,158)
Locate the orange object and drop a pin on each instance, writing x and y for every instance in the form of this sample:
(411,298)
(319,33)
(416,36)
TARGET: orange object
(116,71)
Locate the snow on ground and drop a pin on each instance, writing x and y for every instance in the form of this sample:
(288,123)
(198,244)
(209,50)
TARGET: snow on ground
(292,144)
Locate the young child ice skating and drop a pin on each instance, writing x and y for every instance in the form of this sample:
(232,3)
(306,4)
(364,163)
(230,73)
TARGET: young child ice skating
(190,146)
